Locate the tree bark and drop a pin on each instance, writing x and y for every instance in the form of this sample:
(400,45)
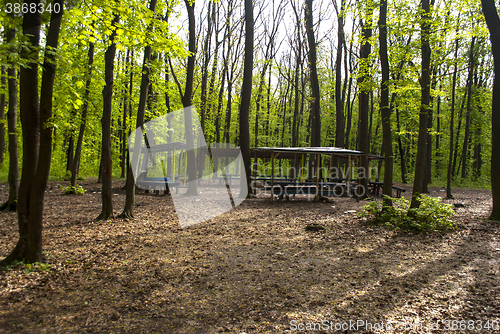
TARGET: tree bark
(107,96)
(449,195)
(465,148)
(128,210)
(493,23)
(430,124)
(384,105)
(78,150)
(186,102)
(29,108)
(363,133)
(124,137)
(37,135)
(13,177)
(207,55)
(418,182)
(36,203)
(315,93)
(246,95)
(339,101)
(2,114)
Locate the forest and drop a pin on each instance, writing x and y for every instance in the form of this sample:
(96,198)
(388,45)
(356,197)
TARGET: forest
(410,81)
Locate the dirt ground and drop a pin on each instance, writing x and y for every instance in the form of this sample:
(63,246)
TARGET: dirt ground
(255,269)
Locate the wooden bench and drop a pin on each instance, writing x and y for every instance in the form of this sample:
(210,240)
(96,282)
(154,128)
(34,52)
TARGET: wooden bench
(399,190)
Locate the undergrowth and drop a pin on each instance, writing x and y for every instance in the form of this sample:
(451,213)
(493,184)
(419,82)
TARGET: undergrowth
(77,190)
(28,267)
(432,215)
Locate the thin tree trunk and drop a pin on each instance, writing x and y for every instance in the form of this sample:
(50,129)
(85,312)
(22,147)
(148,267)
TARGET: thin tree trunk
(455,154)
(298,60)
(428,159)
(465,149)
(13,177)
(438,131)
(123,137)
(128,210)
(207,54)
(402,154)
(107,95)
(78,151)
(2,114)
(186,102)
(339,99)
(71,146)
(347,101)
(478,161)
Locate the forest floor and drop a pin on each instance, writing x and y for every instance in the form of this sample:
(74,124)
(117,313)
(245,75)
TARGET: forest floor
(255,269)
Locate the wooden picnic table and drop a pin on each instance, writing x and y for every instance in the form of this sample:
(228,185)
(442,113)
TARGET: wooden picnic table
(157,184)
(287,188)
(227,176)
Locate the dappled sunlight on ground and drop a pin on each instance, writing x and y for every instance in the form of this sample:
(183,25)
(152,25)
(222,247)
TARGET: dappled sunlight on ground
(254,269)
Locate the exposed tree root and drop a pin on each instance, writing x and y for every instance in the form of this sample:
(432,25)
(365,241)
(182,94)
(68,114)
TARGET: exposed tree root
(9,207)
(126,214)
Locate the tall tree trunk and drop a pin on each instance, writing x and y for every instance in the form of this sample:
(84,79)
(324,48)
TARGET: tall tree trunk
(186,102)
(259,100)
(128,210)
(384,105)
(315,111)
(246,95)
(123,132)
(315,93)
(78,151)
(227,124)
(347,101)
(2,114)
(430,124)
(298,62)
(29,114)
(437,154)
(71,145)
(220,100)
(454,169)
(339,101)
(230,79)
(107,96)
(37,135)
(363,133)
(478,161)
(36,203)
(13,178)
(493,23)
(418,182)
(207,54)
(465,149)
(402,154)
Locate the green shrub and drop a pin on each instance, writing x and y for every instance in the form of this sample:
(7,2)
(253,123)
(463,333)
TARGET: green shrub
(28,267)
(76,190)
(37,266)
(432,215)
